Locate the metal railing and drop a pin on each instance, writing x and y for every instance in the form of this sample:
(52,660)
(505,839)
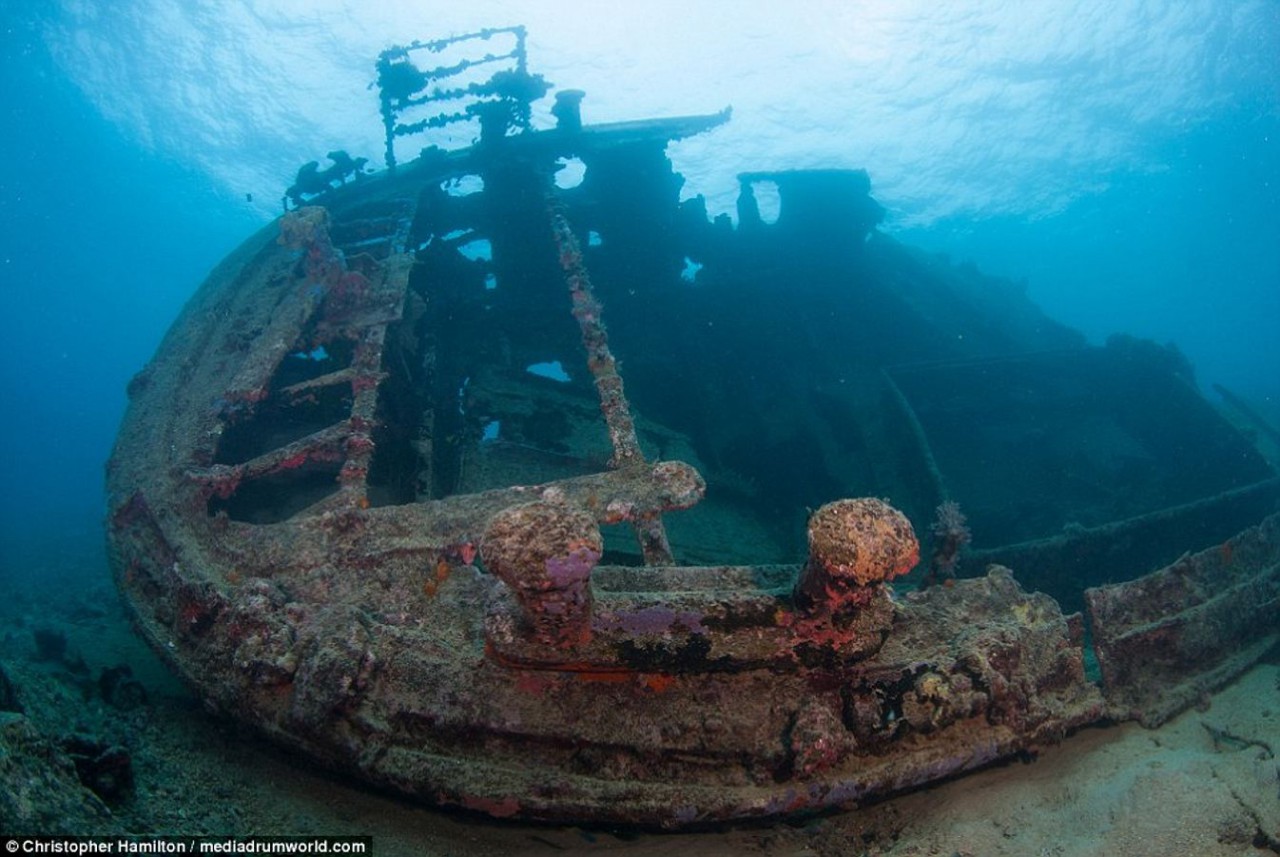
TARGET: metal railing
(406,90)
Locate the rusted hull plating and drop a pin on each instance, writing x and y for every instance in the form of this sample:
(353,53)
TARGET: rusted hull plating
(710,706)
(1167,640)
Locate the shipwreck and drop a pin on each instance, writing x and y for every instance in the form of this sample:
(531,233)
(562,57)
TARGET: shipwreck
(382,492)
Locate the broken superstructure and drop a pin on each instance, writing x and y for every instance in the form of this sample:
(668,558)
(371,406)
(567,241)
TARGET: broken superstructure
(382,492)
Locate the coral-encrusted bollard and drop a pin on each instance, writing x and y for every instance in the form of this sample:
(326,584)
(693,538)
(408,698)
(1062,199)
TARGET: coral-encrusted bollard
(545,553)
(854,544)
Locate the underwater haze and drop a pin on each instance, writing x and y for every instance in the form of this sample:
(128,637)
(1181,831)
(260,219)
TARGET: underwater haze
(1119,157)
(1005,271)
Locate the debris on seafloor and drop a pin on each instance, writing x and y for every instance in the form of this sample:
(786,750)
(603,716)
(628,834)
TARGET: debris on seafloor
(1225,738)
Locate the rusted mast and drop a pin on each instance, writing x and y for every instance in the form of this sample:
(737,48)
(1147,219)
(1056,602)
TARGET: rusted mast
(627,454)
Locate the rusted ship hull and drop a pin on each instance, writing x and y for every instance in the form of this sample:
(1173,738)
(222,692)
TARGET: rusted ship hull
(358,634)
(331,476)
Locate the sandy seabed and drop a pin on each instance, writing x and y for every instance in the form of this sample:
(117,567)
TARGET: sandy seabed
(1205,784)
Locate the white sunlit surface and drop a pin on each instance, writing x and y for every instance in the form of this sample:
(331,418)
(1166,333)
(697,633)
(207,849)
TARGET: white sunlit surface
(956,108)
(1120,155)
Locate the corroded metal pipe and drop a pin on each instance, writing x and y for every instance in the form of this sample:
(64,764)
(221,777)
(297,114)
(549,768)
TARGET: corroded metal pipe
(604,369)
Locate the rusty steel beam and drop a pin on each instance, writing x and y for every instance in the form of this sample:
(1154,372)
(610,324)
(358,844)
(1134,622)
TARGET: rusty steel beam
(587,310)
(1168,639)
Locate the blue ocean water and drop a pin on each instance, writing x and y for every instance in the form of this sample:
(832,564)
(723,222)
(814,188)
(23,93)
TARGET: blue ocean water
(1124,168)
(135,158)
(102,244)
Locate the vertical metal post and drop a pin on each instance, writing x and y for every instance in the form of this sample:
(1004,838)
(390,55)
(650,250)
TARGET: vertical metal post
(604,369)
